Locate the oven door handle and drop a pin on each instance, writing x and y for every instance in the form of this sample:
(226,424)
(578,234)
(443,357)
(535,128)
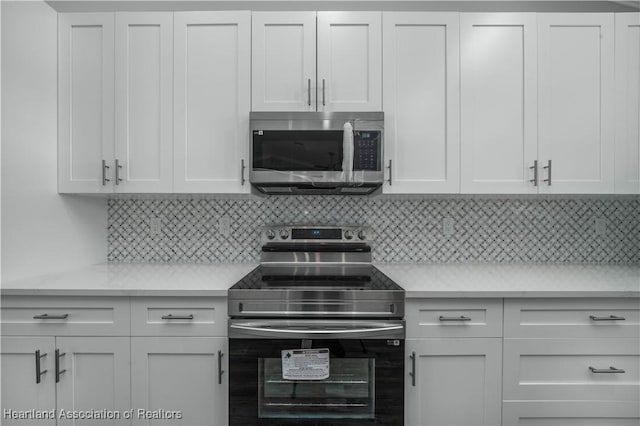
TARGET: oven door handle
(311,330)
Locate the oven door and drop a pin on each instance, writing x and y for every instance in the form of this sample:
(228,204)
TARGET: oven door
(316,372)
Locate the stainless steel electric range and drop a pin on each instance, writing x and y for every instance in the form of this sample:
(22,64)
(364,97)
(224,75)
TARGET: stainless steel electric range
(316,333)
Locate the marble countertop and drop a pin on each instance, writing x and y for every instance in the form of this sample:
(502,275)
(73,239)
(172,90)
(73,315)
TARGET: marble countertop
(419,280)
(515,280)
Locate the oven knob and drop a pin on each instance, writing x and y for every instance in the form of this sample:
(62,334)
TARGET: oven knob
(362,235)
(271,234)
(348,234)
(284,234)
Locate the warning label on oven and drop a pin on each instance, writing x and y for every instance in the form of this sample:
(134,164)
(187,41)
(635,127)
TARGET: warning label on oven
(305,364)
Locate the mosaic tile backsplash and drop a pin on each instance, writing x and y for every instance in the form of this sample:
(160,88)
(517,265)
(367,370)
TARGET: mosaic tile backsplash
(404,230)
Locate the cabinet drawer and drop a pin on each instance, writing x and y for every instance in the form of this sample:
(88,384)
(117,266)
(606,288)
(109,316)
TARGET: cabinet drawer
(65,316)
(454,318)
(570,413)
(572,318)
(179,316)
(563,369)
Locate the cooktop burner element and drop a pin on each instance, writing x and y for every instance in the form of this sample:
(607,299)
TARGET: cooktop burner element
(316,272)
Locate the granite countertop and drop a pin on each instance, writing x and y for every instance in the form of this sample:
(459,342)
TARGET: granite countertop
(419,280)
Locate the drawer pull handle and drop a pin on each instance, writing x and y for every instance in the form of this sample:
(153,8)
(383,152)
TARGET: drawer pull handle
(51,317)
(58,371)
(609,318)
(606,370)
(177,317)
(412,373)
(39,372)
(454,319)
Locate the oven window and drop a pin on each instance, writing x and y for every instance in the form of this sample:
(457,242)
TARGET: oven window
(348,393)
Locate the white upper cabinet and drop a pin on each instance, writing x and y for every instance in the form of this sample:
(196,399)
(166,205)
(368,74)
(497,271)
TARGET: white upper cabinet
(349,61)
(627,155)
(85,102)
(347,75)
(144,102)
(212,101)
(421,101)
(284,61)
(498,102)
(576,102)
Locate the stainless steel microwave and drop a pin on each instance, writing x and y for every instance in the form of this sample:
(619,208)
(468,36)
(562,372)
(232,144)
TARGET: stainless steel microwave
(317,152)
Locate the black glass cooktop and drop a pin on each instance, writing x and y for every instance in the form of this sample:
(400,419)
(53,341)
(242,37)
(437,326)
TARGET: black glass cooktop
(365,277)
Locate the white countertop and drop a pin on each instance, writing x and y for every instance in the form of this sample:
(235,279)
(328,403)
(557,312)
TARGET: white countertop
(135,279)
(419,280)
(515,280)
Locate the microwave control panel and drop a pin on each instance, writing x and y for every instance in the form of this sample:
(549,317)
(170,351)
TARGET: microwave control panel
(367,150)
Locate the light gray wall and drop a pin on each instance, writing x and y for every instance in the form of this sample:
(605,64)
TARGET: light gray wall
(42,232)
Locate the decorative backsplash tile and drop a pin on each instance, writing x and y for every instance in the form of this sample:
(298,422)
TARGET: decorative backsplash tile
(404,230)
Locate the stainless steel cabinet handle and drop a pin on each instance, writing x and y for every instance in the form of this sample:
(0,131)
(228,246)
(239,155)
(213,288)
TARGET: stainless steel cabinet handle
(46,316)
(242,167)
(39,372)
(609,318)
(412,373)
(548,167)
(390,173)
(606,370)
(58,371)
(104,173)
(454,319)
(323,92)
(177,317)
(220,370)
(118,167)
(309,91)
(535,173)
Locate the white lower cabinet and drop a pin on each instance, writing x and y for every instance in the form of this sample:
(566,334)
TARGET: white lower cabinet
(181,380)
(448,372)
(60,380)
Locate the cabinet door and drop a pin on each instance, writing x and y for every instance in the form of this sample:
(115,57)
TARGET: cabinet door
(283,52)
(144,103)
(570,413)
(576,72)
(85,102)
(94,375)
(421,101)
(184,374)
(349,61)
(20,391)
(448,371)
(627,155)
(498,138)
(212,101)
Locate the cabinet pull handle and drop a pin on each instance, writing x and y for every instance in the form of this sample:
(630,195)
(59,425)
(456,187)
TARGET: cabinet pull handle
(177,317)
(609,318)
(220,370)
(309,91)
(58,371)
(105,179)
(548,179)
(323,104)
(390,173)
(46,316)
(606,370)
(454,319)
(412,373)
(39,372)
(535,173)
(242,167)
(118,168)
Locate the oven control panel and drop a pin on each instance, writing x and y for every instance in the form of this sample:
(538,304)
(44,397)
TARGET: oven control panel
(316,234)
